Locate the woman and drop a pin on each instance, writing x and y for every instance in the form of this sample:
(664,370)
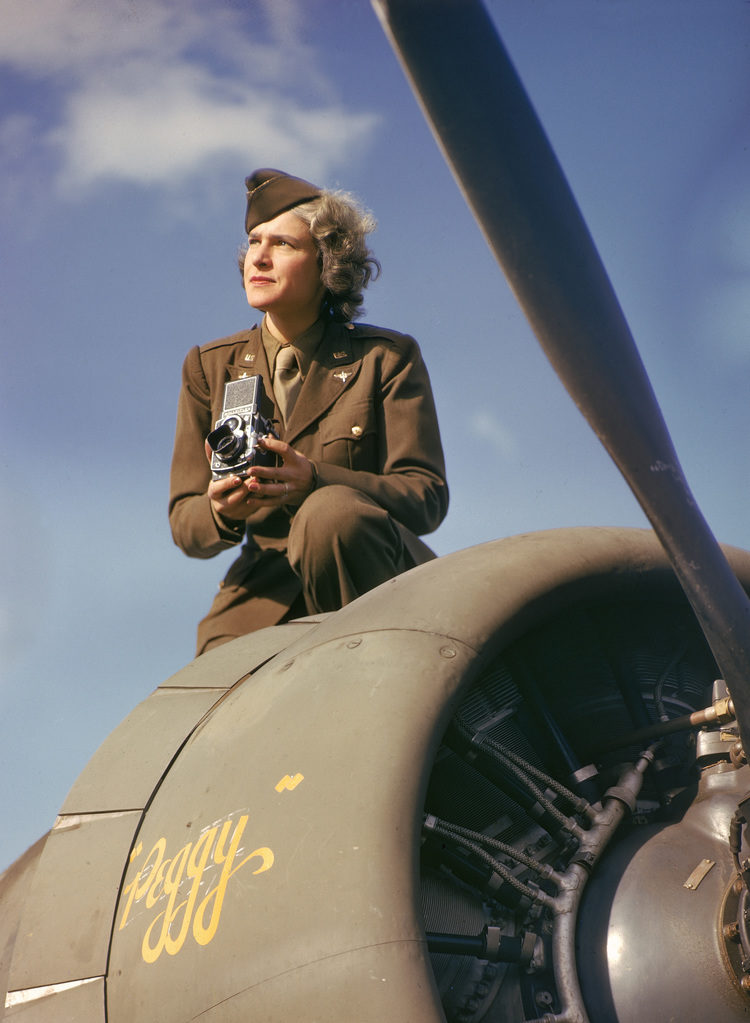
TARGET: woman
(360,470)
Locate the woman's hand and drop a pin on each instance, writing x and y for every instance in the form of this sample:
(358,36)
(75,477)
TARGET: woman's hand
(230,499)
(236,498)
(288,483)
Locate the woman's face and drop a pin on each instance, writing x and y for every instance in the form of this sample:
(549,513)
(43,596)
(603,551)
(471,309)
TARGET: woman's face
(281,273)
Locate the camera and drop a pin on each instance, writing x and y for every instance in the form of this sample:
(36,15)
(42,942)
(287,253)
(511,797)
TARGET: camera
(234,439)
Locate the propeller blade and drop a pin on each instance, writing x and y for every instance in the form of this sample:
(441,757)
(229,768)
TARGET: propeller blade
(510,177)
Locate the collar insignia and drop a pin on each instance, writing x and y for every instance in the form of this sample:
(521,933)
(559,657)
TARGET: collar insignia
(342,375)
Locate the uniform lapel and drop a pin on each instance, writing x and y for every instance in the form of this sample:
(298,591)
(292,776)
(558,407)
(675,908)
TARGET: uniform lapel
(333,369)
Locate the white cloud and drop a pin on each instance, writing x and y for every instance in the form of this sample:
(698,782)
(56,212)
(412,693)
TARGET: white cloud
(149,91)
(174,123)
(53,36)
(487,427)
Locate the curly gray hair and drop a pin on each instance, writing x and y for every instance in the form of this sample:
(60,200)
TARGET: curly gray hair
(339,226)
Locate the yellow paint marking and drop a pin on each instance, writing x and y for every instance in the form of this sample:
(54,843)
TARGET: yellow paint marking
(289,782)
(176,886)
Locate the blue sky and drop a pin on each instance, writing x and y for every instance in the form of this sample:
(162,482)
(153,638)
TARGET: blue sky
(126,130)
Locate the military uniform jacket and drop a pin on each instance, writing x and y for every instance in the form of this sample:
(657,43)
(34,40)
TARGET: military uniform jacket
(365,417)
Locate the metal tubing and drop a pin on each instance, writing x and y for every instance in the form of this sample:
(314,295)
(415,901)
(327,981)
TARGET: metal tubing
(490,945)
(566,903)
(718,713)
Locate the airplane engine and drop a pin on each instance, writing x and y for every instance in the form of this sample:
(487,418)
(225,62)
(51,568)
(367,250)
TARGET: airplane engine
(502,787)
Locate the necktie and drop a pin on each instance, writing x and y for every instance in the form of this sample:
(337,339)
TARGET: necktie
(287,381)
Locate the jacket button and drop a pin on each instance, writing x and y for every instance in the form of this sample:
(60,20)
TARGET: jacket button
(357,431)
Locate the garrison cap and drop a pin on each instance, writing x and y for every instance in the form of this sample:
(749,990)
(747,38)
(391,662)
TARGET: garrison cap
(271,192)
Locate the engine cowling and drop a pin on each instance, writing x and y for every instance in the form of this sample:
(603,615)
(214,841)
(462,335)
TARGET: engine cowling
(258,839)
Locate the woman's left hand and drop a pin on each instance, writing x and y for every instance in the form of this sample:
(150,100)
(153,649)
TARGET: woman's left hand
(289,482)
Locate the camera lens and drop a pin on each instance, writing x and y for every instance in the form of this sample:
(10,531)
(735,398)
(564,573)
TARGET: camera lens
(228,439)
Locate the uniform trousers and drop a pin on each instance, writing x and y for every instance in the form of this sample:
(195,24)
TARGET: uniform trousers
(341,544)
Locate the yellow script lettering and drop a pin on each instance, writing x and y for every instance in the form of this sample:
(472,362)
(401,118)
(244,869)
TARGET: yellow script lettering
(202,932)
(162,879)
(135,891)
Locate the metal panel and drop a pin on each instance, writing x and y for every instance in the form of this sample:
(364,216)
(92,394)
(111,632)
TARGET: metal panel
(225,665)
(66,922)
(127,767)
(283,838)
(350,987)
(81,1003)
(15,883)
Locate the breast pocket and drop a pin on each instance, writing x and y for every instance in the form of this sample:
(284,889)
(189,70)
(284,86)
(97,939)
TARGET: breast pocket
(349,437)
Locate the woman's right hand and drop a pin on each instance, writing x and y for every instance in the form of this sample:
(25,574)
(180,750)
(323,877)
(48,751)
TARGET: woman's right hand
(229,496)
(230,499)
